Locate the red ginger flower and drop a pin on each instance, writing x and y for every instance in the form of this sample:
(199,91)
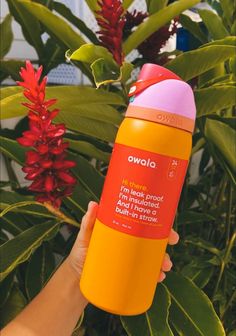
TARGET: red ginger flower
(46,164)
(111,21)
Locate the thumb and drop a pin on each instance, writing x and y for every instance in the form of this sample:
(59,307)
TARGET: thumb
(87,225)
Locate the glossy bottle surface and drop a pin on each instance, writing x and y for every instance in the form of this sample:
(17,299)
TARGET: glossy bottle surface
(121,271)
(126,250)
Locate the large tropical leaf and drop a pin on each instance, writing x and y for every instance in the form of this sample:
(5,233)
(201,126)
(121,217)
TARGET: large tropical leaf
(93,5)
(12,97)
(200,60)
(11,224)
(193,27)
(125,3)
(223,137)
(6,35)
(18,249)
(13,306)
(88,176)
(154,6)
(9,91)
(214,24)
(191,311)
(26,21)
(78,23)
(12,149)
(55,25)
(105,70)
(154,22)
(96,118)
(155,321)
(229,40)
(6,287)
(228,7)
(214,99)
(10,200)
(39,269)
(86,148)
(11,68)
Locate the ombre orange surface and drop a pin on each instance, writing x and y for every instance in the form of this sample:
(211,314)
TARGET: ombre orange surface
(121,270)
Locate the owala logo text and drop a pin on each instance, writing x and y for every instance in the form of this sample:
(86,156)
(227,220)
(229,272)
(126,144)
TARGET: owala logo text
(142,162)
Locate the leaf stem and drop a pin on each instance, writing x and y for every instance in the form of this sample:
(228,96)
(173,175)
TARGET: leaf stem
(11,174)
(228,216)
(224,263)
(61,215)
(231,300)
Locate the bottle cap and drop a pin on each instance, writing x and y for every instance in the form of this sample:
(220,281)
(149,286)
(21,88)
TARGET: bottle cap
(161,96)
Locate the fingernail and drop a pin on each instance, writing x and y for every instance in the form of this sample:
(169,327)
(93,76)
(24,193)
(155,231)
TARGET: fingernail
(162,276)
(91,204)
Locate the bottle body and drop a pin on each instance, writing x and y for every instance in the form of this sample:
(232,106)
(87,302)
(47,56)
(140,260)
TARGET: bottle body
(126,252)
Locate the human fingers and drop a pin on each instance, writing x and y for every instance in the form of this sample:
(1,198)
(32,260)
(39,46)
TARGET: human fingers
(173,237)
(167,263)
(87,225)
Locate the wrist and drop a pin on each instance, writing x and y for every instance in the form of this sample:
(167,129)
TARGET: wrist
(73,277)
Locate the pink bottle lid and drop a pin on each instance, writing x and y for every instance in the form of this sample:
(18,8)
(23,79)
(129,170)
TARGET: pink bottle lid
(161,96)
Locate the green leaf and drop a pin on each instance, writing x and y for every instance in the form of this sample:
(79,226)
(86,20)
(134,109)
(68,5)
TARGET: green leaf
(154,5)
(11,200)
(39,269)
(200,276)
(67,96)
(193,27)
(191,312)
(105,70)
(127,3)
(230,40)
(193,217)
(11,68)
(219,80)
(9,91)
(6,287)
(93,5)
(12,225)
(23,17)
(214,99)
(12,149)
(214,24)
(88,176)
(88,149)
(6,35)
(223,137)
(89,53)
(54,54)
(14,305)
(155,22)
(78,201)
(201,60)
(97,119)
(228,8)
(104,73)
(154,321)
(54,25)
(202,244)
(19,249)
(78,23)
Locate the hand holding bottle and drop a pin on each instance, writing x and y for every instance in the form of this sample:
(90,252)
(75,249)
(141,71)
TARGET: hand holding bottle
(78,253)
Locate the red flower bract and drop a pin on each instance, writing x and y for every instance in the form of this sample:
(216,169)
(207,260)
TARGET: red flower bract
(46,164)
(111,21)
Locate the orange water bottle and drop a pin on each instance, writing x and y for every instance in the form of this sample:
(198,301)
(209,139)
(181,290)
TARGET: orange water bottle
(140,194)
